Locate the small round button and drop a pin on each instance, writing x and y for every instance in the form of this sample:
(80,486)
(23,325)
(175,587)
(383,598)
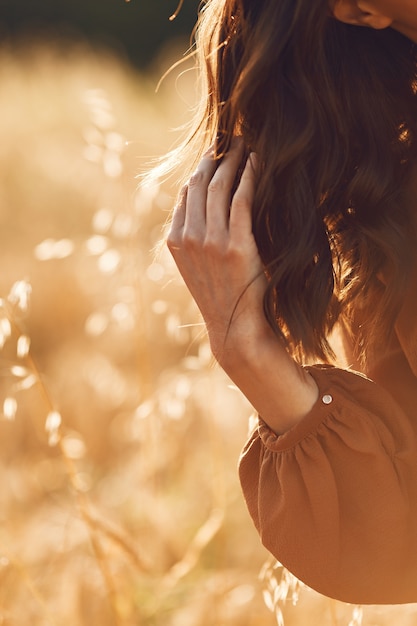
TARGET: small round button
(327,399)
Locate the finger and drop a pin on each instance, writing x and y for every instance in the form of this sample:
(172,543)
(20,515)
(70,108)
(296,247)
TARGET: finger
(219,192)
(240,221)
(195,215)
(178,217)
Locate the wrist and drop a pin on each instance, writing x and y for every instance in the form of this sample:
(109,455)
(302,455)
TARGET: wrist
(243,345)
(278,388)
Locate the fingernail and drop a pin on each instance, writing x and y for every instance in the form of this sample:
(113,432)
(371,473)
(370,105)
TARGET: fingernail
(210,151)
(254,159)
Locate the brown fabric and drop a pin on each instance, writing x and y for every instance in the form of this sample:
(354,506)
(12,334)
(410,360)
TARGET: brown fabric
(335,498)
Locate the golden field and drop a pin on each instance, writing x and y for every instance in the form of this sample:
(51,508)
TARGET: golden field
(120,503)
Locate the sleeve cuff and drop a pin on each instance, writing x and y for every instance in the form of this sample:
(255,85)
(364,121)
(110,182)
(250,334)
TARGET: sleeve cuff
(330,397)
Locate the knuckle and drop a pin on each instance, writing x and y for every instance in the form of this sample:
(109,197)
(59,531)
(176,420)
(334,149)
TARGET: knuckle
(234,251)
(173,241)
(241,202)
(196,179)
(181,198)
(216,185)
(191,239)
(215,245)
(211,245)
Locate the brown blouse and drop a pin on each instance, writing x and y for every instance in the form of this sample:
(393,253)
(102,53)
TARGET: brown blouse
(335,498)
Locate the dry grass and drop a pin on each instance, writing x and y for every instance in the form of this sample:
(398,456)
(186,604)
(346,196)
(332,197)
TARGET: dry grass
(120,504)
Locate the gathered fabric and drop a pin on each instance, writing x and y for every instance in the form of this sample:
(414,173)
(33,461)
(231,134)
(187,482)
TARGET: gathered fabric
(334,499)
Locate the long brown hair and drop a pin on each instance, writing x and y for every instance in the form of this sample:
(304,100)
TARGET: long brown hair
(331,111)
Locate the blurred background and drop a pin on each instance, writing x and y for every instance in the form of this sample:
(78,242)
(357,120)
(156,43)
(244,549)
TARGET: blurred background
(137,30)
(119,499)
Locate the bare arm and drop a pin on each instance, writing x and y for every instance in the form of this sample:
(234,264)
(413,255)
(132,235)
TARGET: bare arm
(213,246)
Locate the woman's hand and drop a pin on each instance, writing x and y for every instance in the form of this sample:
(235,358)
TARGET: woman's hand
(212,243)
(213,246)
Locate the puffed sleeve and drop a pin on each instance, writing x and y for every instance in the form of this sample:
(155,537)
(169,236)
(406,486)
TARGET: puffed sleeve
(335,498)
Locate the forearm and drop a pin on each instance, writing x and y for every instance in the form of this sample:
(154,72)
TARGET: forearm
(279,389)
(212,242)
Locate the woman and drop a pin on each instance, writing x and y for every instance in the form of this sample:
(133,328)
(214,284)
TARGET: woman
(300,220)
